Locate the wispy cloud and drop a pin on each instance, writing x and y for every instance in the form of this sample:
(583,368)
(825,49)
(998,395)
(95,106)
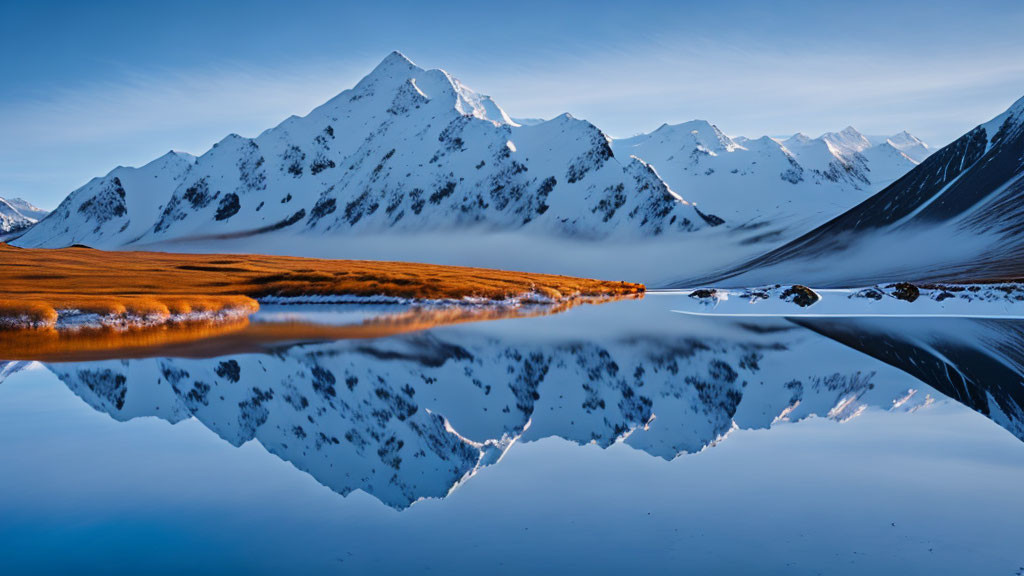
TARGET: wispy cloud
(56,142)
(747,88)
(753,90)
(244,98)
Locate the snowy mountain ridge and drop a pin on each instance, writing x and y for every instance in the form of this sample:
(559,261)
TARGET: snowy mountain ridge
(782,183)
(410,163)
(407,150)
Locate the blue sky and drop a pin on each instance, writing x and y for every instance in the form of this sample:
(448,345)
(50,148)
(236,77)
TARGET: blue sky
(86,86)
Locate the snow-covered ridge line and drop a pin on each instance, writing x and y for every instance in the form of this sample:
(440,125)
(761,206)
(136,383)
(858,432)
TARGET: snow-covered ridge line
(898,299)
(406,150)
(785,184)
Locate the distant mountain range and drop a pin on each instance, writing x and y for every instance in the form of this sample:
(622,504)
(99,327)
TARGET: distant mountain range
(410,151)
(17,215)
(772,186)
(958,216)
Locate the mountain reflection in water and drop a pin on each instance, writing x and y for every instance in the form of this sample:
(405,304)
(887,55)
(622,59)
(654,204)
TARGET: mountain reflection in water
(411,415)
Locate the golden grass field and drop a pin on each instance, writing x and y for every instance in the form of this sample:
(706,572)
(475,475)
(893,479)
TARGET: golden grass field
(38,283)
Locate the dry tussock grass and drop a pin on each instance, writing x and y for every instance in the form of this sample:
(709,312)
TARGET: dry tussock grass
(37,283)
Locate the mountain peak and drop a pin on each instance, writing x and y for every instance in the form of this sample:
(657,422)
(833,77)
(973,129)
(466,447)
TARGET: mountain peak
(175,155)
(703,134)
(396,58)
(394,66)
(846,142)
(690,125)
(908,144)
(904,138)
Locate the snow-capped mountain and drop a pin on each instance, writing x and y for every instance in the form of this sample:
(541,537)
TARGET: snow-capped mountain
(772,186)
(958,216)
(17,215)
(405,150)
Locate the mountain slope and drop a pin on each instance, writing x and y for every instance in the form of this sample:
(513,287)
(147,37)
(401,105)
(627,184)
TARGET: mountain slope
(405,150)
(958,216)
(104,214)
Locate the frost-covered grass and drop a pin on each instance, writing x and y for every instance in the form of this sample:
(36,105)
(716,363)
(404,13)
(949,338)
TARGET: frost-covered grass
(49,288)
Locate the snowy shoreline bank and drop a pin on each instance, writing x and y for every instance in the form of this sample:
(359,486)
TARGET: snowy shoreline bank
(896,299)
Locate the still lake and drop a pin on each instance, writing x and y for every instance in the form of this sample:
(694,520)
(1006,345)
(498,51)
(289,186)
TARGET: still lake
(605,439)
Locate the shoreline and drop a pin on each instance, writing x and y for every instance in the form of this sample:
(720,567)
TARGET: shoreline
(899,299)
(240,334)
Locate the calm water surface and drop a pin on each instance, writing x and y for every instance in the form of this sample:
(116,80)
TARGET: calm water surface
(611,439)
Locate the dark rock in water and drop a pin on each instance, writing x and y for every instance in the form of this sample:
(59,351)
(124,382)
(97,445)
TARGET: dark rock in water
(756,294)
(702,293)
(872,293)
(802,296)
(905,291)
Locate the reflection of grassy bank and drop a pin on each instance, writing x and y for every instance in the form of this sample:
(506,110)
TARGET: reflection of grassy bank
(208,339)
(36,284)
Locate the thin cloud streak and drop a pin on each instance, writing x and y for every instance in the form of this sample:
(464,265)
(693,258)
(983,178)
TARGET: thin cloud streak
(746,89)
(762,92)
